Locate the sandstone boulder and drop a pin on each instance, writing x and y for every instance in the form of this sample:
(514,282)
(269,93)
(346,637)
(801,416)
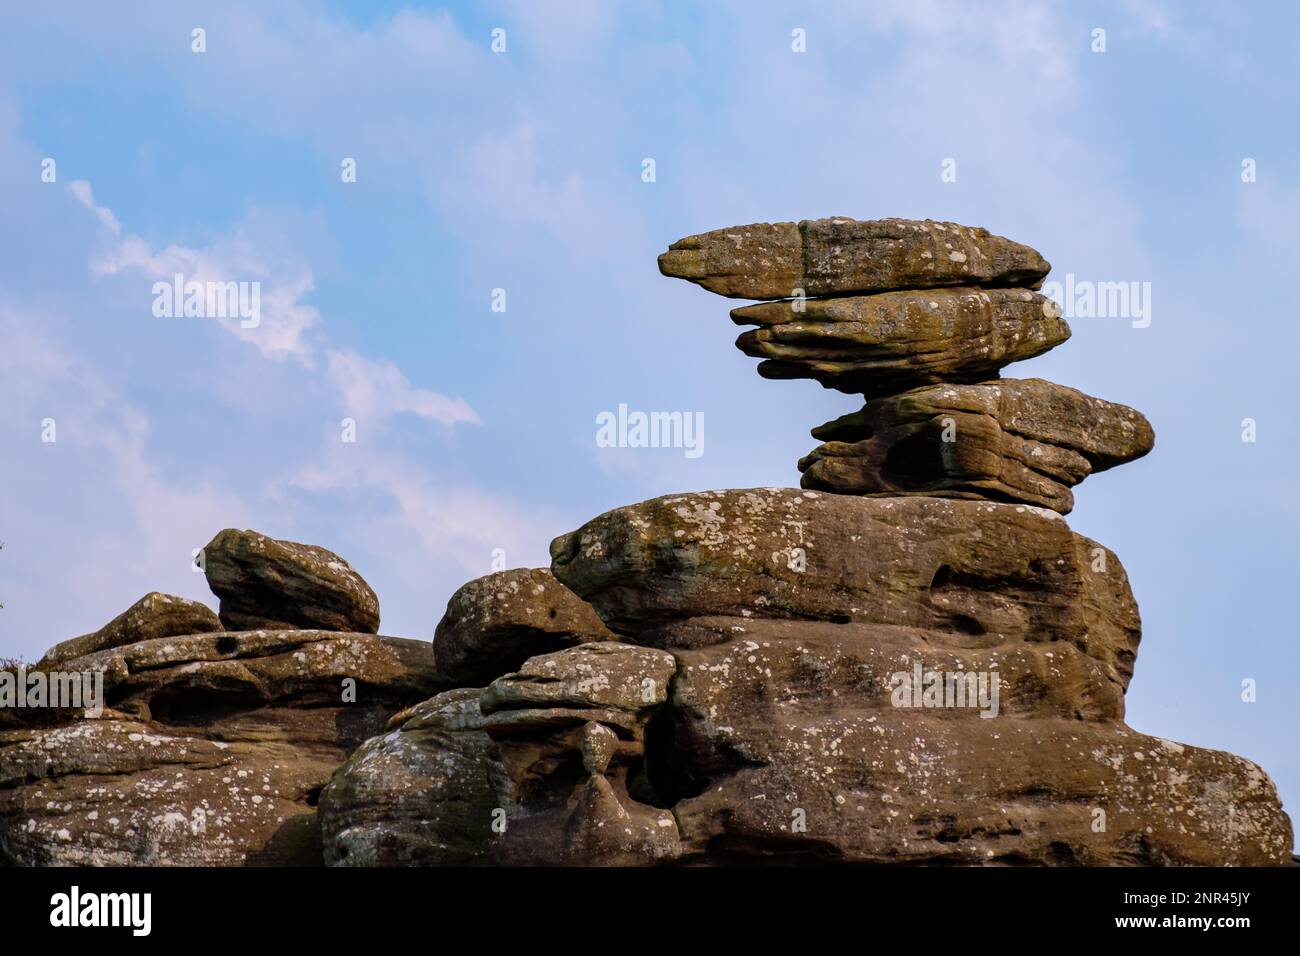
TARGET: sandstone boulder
(265,583)
(997,571)
(154,615)
(839,255)
(495,623)
(1020,440)
(421,794)
(894,341)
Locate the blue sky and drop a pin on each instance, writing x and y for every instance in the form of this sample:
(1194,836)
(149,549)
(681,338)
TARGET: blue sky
(522,171)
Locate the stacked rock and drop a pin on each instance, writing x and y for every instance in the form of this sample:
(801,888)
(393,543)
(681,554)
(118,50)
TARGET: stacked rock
(930,669)
(919,318)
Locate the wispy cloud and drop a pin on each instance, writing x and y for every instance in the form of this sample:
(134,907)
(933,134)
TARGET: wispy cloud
(374,391)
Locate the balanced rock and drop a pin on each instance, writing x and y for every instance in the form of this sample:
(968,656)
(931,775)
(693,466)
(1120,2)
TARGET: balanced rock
(929,669)
(880,344)
(265,583)
(154,615)
(495,623)
(839,255)
(212,749)
(421,794)
(1026,441)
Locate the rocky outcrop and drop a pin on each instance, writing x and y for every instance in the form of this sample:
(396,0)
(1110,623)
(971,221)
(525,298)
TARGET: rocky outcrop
(881,344)
(914,660)
(212,748)
(495,623)
(904,680)
(841,255)
(154,615)
(927,666)
(826,678)
(265,583)
(1012,440)
(797,752)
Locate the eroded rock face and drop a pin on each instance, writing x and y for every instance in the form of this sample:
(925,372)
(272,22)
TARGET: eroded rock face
(421,794)
(268,584)
(570,730)
(793,620)
(881,344)
(841,255)
(213,749)
(154,615)
(818,678)
(1021,440)
(796,752)
(495,623)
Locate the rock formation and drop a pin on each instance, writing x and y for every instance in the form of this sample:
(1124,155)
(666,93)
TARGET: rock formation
(911,659)
(495,623)
(264,583)
(1009,440)
(213,745)
(154,615)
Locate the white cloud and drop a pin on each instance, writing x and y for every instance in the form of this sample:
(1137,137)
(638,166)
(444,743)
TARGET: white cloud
(284,319)
(375,391)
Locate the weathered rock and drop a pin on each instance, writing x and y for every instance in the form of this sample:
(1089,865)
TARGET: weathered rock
(795,622)
(1020,440)
(1005,571)
(881,344)
(570,732)
(791,748)
(495,623)
(212,752)
(421,794)
(265,583)
(759,709)
(809,660)
(605,676)
(154,615)
(840,255)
